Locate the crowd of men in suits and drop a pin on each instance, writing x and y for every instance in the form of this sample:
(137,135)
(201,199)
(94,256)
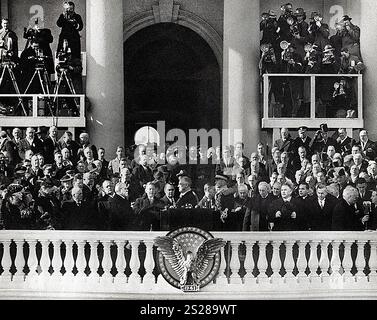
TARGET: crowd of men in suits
(320,183)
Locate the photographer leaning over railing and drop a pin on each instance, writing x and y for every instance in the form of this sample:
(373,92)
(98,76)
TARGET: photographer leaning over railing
(71,24)
(8,42)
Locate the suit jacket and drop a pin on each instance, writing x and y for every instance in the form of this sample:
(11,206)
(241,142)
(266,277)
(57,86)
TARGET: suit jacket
(321,219)
(147,214)
(75,217)
(256,215)
(285,222)
(11,148)
(299,143)
(285,145)
(50,147)
(167,202)
(73,147)
(189,199)
(226,168)
(142,175)
(36,146)
(346,146)
(346,217)
(369,150)
(121,216)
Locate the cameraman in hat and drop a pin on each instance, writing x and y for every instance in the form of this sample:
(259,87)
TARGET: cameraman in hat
(319,32)
(322,141)
(71,24)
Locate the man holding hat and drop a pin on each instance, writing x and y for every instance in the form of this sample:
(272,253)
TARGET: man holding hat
(350,36)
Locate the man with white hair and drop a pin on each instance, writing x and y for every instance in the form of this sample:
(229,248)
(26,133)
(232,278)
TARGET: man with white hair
(284,212)
(50,145)
(256,215)
(346,215)
(188,198)
(120,214)
(85,143)
(368,147)
(30,142)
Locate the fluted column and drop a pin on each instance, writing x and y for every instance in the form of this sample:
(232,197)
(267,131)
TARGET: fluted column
(241,74)
(368,28)
(105,82)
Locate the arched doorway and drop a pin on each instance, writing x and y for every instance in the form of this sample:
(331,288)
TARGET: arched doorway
(171,74)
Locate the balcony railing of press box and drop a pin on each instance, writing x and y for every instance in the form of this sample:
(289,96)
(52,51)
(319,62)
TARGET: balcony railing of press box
(313,121)
(297,265)
(33,119)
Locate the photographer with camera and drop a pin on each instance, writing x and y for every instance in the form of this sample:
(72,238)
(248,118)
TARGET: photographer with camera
(319,32)
(44,38)
(299,30)
(269,28)
(8,42)
(71,24)
(283,26)
(32,59)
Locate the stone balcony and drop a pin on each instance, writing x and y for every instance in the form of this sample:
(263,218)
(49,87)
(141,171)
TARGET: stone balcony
(121,265)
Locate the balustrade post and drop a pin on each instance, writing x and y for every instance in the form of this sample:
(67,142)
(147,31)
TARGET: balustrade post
(235,264)
(347,262)
(324,262)
(301,262)
(6,261)
(134,277)
(262,261)
(221,278)
(19,261)
(313,262)
(360,262)
(335,260)
(149,278)
(81,261)
(107,262)
(249,263)
(69,262)
(120,263)
(276,263)
(45,260)
(32,260)
(289,263)
(373,261)
(93,262)
(57,260)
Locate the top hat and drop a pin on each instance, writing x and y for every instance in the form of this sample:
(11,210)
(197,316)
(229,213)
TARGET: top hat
(346,18)
(42,129)
(328,48)
(324,127)
(300,12)
(221,176)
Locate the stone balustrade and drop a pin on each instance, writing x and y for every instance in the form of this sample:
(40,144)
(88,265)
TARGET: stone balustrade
(119,265)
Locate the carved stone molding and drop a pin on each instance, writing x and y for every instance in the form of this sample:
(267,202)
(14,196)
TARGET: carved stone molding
(167,11)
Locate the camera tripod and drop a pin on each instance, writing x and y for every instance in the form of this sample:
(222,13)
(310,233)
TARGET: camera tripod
(63,75)
(44,82)
(7,67)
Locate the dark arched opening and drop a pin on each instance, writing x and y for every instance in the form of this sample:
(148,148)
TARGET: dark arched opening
(171,74)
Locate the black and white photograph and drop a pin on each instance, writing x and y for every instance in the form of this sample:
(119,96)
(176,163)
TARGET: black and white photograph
(202,152)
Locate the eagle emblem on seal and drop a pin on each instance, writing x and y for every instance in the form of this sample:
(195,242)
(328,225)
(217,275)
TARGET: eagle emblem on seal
(190,256)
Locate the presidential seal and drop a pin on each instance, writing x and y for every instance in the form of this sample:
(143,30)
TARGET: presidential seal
(189,258)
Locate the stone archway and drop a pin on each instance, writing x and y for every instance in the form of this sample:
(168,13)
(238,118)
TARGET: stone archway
(167,11)
(171,74)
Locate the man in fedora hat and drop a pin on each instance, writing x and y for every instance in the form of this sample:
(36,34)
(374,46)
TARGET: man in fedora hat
(351,36)
(319,32)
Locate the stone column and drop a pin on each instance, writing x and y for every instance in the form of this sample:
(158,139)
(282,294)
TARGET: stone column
(241,103)
(105,81)
(368,28)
